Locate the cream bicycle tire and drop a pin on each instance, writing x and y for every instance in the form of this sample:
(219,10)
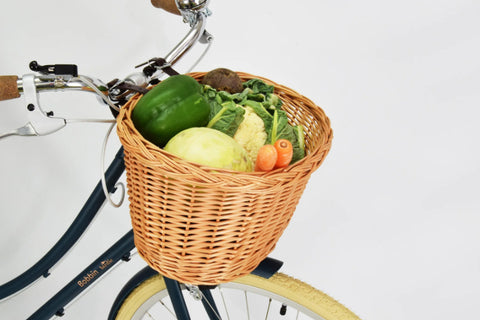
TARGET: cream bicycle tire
(283,288)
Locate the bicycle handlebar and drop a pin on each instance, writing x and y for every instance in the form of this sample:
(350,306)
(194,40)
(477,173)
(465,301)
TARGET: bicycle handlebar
(11,86)
(8,87)
(167,5)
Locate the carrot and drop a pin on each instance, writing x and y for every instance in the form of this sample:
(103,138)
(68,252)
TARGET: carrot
(284,151)
(266,158)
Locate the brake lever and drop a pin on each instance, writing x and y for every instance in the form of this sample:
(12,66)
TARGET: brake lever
(26,130)
(40,122)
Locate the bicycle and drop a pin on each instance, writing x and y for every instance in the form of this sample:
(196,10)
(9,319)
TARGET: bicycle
(146,293)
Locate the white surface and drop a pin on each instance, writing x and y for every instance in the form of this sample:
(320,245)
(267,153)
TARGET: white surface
(388,225)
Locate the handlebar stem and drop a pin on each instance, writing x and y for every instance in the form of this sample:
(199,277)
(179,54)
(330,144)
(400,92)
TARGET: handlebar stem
(195,33)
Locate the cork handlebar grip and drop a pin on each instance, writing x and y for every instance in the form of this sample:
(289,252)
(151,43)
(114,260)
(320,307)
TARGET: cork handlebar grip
(8,87)
(167,5)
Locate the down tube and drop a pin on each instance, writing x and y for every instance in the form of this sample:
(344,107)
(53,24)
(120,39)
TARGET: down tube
(74,232)
(55,306)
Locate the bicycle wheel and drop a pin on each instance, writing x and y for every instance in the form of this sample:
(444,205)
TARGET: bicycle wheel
(249,297)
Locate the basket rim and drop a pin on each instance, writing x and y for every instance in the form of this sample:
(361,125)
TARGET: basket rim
(125,115)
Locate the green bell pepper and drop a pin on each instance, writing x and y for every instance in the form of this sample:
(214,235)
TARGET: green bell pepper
(175,104)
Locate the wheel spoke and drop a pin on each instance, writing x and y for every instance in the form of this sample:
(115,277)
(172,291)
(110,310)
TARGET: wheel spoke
(268,308)
(150,316)
(224,303)
(210,306)
(167,308)
(246,304)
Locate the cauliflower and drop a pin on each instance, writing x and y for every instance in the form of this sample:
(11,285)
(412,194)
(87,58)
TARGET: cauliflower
(251,133)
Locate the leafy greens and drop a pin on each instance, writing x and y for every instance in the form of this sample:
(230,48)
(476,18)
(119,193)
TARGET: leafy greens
(227,113)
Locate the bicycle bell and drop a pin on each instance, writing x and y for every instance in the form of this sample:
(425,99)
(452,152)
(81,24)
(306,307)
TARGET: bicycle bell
(191,8)
(193,5)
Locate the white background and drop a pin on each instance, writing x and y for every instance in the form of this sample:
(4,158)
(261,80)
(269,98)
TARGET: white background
(389,224)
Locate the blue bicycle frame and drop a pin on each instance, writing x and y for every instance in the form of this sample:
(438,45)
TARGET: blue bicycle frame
(120,250)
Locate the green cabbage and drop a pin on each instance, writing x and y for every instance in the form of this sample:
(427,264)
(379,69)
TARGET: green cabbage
(209,147)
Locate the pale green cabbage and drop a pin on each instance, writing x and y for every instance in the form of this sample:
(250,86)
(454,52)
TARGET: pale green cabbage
(210,147)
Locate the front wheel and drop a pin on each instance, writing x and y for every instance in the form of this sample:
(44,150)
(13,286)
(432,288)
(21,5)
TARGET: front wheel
(249,297)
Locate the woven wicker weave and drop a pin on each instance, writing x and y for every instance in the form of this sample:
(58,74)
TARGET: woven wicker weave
(201,225)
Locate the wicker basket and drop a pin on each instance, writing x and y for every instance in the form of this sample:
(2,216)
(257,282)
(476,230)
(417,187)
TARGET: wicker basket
(201,225)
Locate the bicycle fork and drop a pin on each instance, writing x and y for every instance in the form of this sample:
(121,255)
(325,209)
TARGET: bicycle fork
(199,293)
(267,268)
